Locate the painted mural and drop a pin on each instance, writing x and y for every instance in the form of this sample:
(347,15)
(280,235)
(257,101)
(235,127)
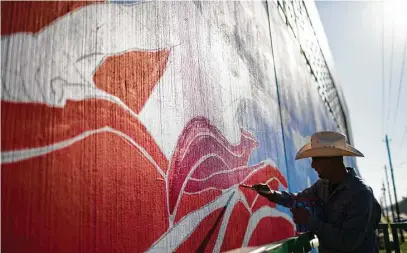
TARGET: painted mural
(128,127)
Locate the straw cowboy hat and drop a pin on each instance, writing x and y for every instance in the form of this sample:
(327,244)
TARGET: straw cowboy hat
(327,144)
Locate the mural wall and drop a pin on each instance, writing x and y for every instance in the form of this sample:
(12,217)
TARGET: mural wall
(128,127)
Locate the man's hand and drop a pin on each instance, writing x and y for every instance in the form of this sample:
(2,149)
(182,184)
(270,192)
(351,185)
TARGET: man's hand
(300,215)
(265,191)
(261,188)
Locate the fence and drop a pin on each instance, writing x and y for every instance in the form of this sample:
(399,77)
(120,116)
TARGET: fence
(395,244)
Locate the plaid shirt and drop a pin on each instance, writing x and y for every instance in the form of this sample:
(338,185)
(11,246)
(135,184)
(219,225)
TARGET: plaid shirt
(344,220)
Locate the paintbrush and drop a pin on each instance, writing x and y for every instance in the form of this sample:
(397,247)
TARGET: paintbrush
(263,188)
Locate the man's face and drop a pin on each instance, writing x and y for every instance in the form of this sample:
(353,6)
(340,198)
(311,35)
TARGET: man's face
(322,166)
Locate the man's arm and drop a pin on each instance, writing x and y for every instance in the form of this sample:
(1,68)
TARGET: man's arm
(353,230)
(287,199)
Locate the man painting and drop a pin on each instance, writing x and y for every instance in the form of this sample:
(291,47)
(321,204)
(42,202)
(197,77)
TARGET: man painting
(347,212)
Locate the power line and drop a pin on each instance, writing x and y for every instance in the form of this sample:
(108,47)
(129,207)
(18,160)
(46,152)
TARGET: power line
(401,80)
(403,138)
(402,163)
(391,75)
(383,78)
(400,150)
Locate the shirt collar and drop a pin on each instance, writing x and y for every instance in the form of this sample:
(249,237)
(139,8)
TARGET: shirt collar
(348,178)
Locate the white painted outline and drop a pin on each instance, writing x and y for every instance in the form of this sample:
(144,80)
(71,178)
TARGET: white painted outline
(177,234)
(256,217)
(23,154)
(223,172)
(210,134)
(191,171)
(267,182)
(204,190)
(239,196)
(189,175)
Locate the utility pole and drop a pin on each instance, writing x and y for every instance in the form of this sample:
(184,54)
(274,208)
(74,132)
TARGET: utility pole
(389,192)
(386,211)
(383,211)
(394,185)
(392,177)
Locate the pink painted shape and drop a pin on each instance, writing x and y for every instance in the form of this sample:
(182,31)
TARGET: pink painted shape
(199,139)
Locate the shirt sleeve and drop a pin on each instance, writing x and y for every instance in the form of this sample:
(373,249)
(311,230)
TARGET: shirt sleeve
(353,230)
(287,198)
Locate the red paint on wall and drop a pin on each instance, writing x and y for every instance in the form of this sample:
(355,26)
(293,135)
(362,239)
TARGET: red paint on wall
(204,237)
(270,175)
(100,194)
(131,76)
(101,182)
(199,142)
(193,202)
(39,125)
(236,228)
(31,16)
(281,229)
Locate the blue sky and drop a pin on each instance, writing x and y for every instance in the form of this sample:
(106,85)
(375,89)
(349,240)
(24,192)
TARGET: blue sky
(354,33)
